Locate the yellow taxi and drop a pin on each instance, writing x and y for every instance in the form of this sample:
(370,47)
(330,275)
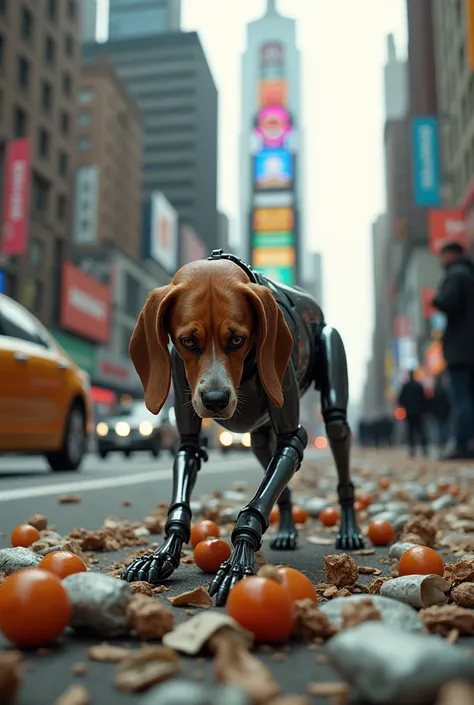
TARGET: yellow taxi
(45,404)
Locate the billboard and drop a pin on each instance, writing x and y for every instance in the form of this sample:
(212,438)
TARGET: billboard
(16,199)
(274,257)
(273,128)
(85,304)
(273,240)
(86,205)
(192,248)
(445,226)
(273,169)
(163,232)
(273,219)
(426,162)
(272,93)
(284,275)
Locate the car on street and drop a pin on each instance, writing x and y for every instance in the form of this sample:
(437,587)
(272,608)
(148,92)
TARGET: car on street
(45,403)
(233,441)
(131,427)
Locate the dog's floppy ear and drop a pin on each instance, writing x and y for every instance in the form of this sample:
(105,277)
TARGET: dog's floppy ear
(149,347)
(275,342)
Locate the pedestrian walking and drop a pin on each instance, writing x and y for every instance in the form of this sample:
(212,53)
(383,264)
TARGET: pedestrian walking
(455,298)
(440,407)
(412,398)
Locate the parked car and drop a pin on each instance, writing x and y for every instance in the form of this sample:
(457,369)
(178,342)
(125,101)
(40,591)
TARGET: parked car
(132,428)
(45,404)
(233,441)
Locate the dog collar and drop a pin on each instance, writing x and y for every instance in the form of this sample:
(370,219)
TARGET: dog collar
(220,254)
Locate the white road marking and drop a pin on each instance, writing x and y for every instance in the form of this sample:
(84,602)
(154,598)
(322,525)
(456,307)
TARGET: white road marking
(103,483)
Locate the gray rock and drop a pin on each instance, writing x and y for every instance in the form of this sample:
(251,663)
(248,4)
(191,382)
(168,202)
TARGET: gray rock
(315,506)
(391,517)
(397,507)
(394,614)
(400,521)
(374,509)
(178,692)
(229,514)
(397,549)
(183,692)
(99,603)
(387,666)
(446,500)
(13,559)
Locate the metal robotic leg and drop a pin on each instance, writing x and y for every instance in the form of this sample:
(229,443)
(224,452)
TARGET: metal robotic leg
(156,567)
(263,447)
(334,401)
(254,518)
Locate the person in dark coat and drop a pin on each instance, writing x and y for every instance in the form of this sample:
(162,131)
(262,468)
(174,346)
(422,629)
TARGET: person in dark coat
(440,407)
(455,298)
(412,398)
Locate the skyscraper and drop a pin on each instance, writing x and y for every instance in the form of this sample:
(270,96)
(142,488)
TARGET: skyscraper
(89,20)
(139,18)
(270,146)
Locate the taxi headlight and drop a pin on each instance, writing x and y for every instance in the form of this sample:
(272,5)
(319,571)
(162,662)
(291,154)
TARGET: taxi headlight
(146,428)
(226,439)
(102,429)
(122,429)
(246,440)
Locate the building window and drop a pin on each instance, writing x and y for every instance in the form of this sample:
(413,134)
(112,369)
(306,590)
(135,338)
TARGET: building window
(52,10)
(49,51)
(84,119)
(65,123)
(85,95)
(61,208)
(67,83)
(39,194)
(20,123)
(23,73)
(83,144)
(69,45)
(36,251)
(26,25)
(44,144)
(63,164)
(46,96)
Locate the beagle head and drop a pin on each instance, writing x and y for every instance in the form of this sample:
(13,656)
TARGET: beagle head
(214,316)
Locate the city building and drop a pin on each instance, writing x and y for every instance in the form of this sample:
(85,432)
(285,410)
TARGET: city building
(271,172)
(223,231)
(139,18)
(395,83)
(89,10)
(169,78)
(39,63)
(107,161)
(102,295)
(453,28)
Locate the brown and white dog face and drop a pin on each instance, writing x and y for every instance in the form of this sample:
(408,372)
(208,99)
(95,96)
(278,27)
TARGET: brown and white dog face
(213,315)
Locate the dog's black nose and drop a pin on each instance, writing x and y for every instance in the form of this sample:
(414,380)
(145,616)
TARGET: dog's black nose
(215,401)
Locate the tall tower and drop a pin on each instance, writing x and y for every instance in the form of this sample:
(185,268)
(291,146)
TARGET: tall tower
(270,147)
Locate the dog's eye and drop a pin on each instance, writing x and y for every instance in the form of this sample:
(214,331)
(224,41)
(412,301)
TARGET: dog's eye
(189,343)
(236,341)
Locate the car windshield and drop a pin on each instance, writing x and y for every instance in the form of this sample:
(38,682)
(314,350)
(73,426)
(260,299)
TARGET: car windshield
(136,409)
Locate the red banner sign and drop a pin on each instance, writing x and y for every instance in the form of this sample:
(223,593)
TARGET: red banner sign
(446,226)
(85,304)
(16,197)
(427,296)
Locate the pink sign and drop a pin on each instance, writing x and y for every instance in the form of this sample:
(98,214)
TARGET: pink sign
(273,126)
(16,197)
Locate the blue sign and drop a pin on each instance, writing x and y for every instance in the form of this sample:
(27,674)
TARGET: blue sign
(426,162)
(273,169)
(2,282)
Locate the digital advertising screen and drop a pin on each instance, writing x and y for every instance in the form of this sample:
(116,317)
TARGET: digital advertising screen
(273,127)
(273,169)
(273,219)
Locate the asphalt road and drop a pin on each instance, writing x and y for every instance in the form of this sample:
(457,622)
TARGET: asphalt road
(28,487)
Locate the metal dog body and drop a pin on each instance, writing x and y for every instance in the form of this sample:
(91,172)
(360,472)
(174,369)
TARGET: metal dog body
(250,381)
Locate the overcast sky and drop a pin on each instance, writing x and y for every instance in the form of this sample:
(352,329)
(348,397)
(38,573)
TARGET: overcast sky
(343,45)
